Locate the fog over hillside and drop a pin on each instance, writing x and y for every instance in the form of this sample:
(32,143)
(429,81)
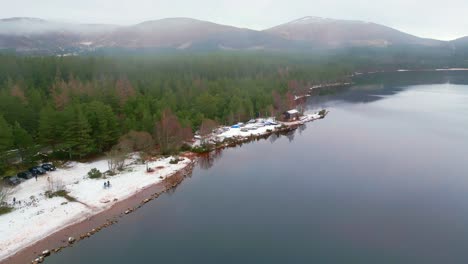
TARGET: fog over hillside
(304,34)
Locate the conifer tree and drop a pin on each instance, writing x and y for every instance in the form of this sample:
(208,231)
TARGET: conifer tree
(49,127)
(103,124)
(6,135)
(77,134)
(23,142)
(6,142)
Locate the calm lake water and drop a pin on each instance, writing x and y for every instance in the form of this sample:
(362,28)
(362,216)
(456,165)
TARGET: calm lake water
(383,179)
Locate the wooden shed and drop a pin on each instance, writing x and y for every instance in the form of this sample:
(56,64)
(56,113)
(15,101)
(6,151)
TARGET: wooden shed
(291,115)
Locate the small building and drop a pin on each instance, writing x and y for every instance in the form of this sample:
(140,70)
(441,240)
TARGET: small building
(291,115)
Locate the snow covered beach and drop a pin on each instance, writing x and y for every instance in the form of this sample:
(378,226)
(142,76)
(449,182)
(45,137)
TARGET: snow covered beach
(254,128)
(37,216)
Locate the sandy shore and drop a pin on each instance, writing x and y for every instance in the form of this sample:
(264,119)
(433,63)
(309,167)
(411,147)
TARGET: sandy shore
(41,223)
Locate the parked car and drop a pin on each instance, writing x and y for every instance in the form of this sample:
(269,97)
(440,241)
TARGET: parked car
(12,180)
(48,167)
(25,175)
(41,170)
(38,170)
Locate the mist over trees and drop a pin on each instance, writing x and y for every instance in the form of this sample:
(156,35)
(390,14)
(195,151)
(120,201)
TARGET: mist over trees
(76,106)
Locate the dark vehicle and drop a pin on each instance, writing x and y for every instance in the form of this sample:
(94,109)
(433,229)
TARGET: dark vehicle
(12,180)
(48,167)
(41,170)
(37,170)
(25,175)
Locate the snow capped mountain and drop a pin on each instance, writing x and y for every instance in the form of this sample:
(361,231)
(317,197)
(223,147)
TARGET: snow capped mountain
(322,20)
(310,20)
(42,36)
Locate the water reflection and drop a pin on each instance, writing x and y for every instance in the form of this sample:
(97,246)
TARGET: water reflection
(301,129)
(273,137)
(290,135)
(207,160)
(374,87)
(382,182)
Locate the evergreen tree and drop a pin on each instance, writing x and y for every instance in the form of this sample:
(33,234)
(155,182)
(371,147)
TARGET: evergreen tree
(103,123)
(23,142)
(6,135)
(50,127)
(6,142)
(81,104)
(77,132)
(207,105)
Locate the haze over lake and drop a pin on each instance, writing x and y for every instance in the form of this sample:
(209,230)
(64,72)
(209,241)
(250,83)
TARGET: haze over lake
(382,179)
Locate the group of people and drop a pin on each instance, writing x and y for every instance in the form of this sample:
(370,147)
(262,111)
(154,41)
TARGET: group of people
(16,201)
(106,184)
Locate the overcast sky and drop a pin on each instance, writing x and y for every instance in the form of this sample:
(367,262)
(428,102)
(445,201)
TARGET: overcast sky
(446,19)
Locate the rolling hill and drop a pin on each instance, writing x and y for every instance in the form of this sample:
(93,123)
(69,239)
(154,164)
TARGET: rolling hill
(339,33)
(33,35)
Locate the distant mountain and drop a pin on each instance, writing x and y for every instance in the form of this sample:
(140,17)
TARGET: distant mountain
(338,33)
(33,35)
(37,26)
(460,41)
(187,33)
(460,47)
(171,32)
(26,34)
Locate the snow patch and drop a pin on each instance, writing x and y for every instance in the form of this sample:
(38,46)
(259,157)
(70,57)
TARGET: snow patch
(311,20)
(39,216)
(86,43)
(321,20)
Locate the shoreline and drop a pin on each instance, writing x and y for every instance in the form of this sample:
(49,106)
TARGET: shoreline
(408,70)
(84,227)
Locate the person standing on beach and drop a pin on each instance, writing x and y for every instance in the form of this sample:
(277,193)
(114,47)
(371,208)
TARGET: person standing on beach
(36,177)
(14,200)
(108,183)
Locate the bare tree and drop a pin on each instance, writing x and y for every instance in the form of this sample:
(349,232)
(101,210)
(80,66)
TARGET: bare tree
(293,86)
(132,141)
(290,102)
(5,193)
(18,92)
(124,89)
(54,184)
(60,93)
(187,133)
(116,158)
(137,141)
(75,86)
(168,132)
(206,129)
(278,102)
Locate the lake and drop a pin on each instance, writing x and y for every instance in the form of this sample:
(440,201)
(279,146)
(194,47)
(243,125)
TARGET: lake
(382,179)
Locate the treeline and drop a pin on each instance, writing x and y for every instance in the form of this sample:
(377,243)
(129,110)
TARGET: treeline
(83,105)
